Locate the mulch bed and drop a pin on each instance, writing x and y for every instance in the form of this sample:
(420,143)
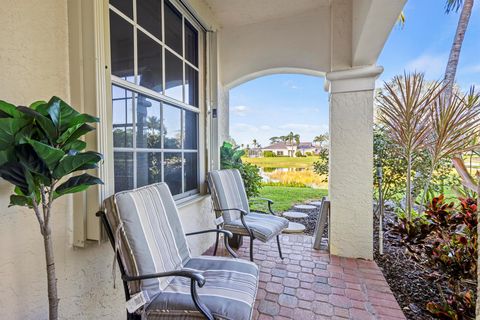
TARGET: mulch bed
(413,283)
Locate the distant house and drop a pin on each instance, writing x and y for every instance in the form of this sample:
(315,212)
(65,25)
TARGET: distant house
(285,149)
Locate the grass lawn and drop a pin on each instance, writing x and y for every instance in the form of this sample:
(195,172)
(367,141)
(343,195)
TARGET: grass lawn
(285,197)
(282,162)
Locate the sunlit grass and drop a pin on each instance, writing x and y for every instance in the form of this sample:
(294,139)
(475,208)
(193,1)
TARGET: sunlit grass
(282,162)
(306,177)
(285,197)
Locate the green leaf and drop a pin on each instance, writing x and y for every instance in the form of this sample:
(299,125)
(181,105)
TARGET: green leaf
(50,155)
(83,118)
(7,155)
(80,161)
(18,200)
(61,113)
(31,161)
(76,145)
(16,174)
(76,184)
(45,123)
(8,110)
(75,132)
(8,128)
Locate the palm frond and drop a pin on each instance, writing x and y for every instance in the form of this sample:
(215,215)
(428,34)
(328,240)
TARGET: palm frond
(453,5)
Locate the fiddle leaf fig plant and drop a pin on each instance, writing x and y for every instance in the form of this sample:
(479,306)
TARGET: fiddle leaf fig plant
(41,150)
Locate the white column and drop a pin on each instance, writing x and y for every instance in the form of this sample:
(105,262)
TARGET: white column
(351,161)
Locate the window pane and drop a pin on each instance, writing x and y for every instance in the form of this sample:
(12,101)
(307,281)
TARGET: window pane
(149,168)
(191,86)
(122,101)
(191,176)
(148,123)
(190,131)
(191,43)
(121,45)
(149,63)
(123,169)
(173,76)
(149,16)
(173,171)
(125,6)
(173,28)
(172,127)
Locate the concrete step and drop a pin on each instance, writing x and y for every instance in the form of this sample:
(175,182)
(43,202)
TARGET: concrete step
(304,207)
(295,215)
(294,227)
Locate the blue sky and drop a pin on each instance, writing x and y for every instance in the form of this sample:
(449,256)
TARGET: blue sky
(275,105)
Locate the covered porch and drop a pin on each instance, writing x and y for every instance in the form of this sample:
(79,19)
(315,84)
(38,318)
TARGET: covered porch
(238,40)
(310,284)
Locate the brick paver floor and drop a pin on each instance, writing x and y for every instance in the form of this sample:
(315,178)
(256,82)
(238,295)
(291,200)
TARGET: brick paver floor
(310,284)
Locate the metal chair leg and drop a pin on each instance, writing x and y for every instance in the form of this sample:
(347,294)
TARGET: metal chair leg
(279,248)
(216,245)
(251,249)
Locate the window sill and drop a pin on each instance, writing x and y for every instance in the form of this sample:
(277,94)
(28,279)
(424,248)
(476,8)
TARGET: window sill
(184,202)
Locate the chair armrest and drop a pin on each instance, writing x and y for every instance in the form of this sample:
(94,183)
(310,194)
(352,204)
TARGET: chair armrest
(242,218)
(195,276)
(228,235)
(243,212)
(225,232)
(269,201)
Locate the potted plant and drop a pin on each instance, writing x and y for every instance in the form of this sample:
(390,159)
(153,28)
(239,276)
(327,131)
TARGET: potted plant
(40,150)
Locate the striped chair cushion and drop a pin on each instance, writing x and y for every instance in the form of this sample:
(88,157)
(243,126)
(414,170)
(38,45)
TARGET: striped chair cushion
(264,226)
(228,191)
(229,291)
(152,239)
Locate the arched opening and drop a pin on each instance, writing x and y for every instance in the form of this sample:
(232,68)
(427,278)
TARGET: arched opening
(280,118)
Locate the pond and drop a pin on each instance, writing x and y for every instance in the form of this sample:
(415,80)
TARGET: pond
(300,176)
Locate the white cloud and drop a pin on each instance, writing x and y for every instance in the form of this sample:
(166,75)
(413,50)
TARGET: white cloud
(241,111)
(474,69)
(265,128)
(291,85)
(243,127)
(432,65)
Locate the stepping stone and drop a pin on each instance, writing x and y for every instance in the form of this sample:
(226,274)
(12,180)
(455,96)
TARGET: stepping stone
(294,227)
(305,207)
(295,215)
(316,203)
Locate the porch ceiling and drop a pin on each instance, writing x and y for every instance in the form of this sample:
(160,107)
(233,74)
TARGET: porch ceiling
(236,13)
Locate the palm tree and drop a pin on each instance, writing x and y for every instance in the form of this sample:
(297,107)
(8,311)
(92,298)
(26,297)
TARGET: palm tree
(275,140)
(321,139)
(254,143)
(451,70)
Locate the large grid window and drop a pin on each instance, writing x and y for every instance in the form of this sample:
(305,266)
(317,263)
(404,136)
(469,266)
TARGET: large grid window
(154,52)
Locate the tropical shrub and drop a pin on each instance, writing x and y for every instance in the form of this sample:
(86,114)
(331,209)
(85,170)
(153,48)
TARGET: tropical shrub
(231,158)
(412,231)
(40,148)
(299,154)
(268,154)
(456,306)
(308,154)
(320,167)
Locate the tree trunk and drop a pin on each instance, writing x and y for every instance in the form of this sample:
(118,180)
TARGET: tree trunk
(452,64)
(51,277)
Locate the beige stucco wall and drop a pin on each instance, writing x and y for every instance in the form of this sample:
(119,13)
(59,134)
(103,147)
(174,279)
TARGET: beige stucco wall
(350,176)
(34,63)
(297,42)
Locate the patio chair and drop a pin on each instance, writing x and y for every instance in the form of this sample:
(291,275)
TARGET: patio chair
(154,258)
(230,202)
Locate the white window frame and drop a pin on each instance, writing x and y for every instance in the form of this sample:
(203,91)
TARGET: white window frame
(117,81)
